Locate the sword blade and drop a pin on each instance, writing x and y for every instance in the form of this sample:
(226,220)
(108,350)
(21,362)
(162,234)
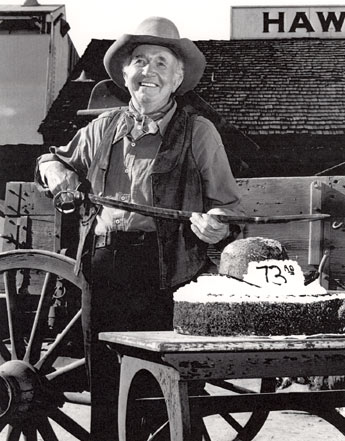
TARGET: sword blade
(180,215)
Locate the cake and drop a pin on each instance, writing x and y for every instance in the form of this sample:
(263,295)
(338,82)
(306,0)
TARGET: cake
(239,303)
(237,255)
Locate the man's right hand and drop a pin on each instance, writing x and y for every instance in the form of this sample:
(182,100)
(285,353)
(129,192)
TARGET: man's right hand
(58,177)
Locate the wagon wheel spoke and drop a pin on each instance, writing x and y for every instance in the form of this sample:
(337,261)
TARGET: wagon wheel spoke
(243,426)
(204,433)
(5,354)
(70,425)
(14,322)
(232,422)
(33,349)
(46,430)
(58,374)
(232,387)
(13,433)
(46,362)
(30,433)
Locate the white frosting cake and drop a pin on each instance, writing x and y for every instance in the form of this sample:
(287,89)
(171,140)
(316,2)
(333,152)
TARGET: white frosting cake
(223,305)
(223,288)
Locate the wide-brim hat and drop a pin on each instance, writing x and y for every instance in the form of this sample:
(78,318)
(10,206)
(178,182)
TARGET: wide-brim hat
(161,32)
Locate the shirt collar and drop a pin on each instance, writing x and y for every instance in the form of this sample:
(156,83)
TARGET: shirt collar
(162,123)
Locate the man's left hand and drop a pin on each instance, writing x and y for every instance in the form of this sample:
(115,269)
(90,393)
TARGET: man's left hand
(207,228)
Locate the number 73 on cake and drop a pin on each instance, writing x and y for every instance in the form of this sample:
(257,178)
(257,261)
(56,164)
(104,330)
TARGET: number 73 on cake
(276,274)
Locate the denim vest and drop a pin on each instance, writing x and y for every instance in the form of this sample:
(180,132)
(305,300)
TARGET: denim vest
(176,183)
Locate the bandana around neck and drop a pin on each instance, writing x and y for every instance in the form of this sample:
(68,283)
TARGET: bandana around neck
(155,116)
(139,124)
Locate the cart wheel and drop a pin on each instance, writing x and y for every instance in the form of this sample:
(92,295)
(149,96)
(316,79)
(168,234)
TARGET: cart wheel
(37,378)
(237,426)
(147,423)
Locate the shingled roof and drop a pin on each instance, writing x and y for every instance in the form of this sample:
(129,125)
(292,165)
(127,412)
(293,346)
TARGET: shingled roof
(260,86)
(277,86)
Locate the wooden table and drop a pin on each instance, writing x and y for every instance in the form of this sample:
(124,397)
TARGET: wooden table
(175,360)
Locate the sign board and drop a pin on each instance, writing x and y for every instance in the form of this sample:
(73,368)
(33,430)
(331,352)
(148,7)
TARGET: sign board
(277,22)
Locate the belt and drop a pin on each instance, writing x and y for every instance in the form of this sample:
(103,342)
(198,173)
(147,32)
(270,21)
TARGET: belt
(118,239)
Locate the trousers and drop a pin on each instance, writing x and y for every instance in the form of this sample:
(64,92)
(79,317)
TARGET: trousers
(124,295)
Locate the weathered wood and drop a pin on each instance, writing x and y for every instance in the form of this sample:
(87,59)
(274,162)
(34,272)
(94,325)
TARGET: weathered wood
(174,391)
(304,243)
(30,223)
(316,230)
(277,196)
(209,358)
(209,405)
(170,342)
(29,232)
(24,199)
(30,219)
(44,261)
(260,364)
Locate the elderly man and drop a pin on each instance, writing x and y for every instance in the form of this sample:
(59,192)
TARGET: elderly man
(152,153)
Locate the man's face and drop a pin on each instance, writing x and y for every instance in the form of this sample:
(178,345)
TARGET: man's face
(152,75)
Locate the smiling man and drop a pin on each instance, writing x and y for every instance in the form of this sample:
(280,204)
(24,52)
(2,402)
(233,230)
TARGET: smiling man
(152,75)
(151,153)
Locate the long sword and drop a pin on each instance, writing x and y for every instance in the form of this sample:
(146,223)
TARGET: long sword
(66,202)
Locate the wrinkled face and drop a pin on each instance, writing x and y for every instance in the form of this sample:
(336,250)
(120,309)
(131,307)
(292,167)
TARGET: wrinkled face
(151,76)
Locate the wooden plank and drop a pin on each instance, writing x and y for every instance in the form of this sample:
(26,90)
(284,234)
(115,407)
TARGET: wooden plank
(23,198)
(312,402)
(334,236)
(277,196)
(29,232)
(315,228)
(284,196)
(258,364)
(34,232)
(170,341)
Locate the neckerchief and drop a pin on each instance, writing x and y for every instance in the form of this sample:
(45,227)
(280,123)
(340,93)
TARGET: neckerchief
(138,125)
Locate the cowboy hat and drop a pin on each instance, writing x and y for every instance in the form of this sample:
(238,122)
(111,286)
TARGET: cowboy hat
(161,32)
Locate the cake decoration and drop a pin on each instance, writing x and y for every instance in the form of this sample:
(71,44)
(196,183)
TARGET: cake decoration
(261,294)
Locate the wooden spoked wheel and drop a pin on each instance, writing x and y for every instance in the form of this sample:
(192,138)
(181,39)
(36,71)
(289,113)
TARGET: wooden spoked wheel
(236,426)
(38,373)
(147,418)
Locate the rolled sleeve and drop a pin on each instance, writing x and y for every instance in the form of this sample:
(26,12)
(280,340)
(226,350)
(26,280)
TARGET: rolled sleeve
(79,152)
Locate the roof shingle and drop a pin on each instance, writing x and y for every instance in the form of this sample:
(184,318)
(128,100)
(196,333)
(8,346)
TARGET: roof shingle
(259,86)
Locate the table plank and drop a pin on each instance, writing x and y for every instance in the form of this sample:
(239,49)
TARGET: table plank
(170,341)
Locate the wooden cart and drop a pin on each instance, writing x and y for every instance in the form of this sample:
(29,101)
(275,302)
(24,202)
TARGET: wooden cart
(38,374)
(175,360)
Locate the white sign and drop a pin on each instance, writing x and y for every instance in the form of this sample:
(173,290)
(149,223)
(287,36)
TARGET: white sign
(278,274)
(287,22)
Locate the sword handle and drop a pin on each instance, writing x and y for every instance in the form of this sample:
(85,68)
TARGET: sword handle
(66,201)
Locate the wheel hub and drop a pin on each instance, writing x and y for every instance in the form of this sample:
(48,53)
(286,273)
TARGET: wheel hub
(20,387)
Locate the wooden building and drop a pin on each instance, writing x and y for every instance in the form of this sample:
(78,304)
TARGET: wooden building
(280,103)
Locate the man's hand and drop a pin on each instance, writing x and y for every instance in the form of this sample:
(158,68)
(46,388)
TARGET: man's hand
(207,228)
(58,177)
